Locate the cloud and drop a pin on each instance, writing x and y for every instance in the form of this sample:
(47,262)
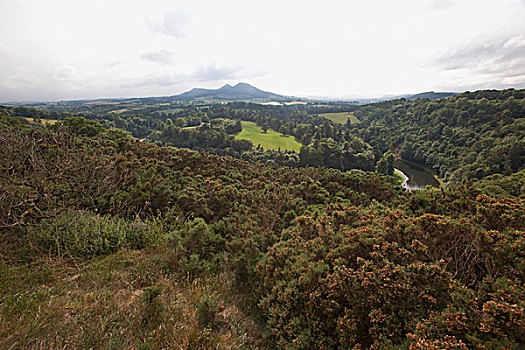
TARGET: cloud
(498,51)
(162,57)
(20,82)
(158,80)
(66,73)
(205,73)
(501,61)
(113,64)
(442,4)
(212,72)
(172,24)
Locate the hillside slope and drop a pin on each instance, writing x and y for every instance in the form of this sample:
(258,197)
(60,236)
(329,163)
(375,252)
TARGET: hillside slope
(431,95)
(108,240)
(239,92)
(468,136)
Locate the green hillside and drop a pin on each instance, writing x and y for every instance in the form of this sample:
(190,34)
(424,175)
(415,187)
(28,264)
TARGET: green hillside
(467,136)
(269,140)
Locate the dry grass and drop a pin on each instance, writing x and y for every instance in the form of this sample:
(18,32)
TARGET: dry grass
(128,300)
(43,121)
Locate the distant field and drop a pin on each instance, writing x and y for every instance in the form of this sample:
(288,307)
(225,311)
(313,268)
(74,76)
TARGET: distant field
(270,140)
(102,103)
(341,117)
(44,121)
(118,111)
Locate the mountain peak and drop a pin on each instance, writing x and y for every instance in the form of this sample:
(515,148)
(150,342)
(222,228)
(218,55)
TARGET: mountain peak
(239,92)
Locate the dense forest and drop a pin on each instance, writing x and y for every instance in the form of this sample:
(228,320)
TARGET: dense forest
(325,143)
(470,135)
(467,136)
(110,242)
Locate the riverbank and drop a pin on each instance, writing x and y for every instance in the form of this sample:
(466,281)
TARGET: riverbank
(401,177)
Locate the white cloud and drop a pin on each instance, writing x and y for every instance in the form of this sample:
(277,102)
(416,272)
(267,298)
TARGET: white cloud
(442,4)
(158,80)
(67,73)
(100,48)
(499,62)
(214,72)
(20,82)
(162,57)
(172,23)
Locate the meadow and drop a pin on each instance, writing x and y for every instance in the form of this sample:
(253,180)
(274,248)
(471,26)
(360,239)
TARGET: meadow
(340,117)
(269,140)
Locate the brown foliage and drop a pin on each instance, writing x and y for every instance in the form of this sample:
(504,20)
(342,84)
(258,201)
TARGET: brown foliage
(44,173)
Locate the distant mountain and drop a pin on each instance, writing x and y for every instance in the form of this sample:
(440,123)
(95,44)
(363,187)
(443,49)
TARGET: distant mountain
(431,95)
(239,92)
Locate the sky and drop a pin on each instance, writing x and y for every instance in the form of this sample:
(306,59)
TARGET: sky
(83,49)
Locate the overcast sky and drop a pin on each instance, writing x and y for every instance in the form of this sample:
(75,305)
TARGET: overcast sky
(72,49)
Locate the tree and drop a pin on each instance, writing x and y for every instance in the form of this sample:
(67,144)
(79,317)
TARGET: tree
(82,126)
(385,165)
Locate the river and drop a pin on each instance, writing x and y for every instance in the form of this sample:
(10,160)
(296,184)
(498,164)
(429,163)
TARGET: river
(415,175)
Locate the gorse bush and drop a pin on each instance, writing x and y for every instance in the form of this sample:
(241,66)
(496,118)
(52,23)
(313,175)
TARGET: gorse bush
(196,248)
(324,259)
(385,280)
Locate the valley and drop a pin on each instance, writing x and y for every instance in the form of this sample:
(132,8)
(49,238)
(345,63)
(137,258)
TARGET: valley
(253,175)
(183,224)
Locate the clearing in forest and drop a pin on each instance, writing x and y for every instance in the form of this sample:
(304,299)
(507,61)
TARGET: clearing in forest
(341,117)
(269,140)
(44,121)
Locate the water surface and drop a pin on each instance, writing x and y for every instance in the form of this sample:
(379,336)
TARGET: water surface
(418,175)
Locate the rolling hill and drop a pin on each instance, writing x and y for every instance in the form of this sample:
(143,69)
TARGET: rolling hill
(239,92)
(432,95)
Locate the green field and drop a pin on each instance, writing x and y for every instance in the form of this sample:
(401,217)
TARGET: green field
(270,140)
(341,117)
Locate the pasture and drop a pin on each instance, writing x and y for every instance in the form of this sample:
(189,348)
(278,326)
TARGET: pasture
(270,140)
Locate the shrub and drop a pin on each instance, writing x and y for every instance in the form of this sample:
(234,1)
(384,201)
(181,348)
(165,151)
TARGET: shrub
(207,311)
(196,248)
